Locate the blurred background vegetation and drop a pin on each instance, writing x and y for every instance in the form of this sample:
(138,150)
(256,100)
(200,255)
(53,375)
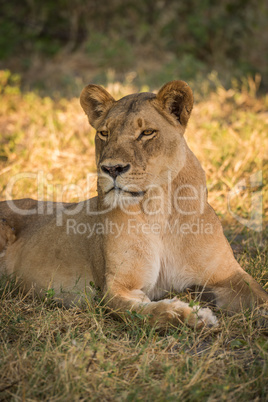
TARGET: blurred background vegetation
(60,45)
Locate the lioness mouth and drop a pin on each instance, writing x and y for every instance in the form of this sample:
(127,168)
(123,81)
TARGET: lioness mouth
(132,193)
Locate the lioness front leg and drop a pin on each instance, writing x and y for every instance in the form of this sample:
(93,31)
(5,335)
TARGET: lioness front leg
(233,288)
(217,271)
(160,313)
(133,265)
(239,291)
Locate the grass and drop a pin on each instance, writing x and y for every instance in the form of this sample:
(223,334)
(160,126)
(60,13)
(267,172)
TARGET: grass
(49,353)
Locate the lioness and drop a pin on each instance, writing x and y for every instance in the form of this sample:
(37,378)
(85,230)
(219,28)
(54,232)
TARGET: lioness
(151,228)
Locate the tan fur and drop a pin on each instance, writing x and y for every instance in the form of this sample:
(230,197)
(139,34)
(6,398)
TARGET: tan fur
(150,185)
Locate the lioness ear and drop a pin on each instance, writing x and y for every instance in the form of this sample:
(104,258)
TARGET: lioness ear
(95,100)
(177,98)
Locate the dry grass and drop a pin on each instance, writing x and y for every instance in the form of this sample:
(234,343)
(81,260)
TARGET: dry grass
(48,353)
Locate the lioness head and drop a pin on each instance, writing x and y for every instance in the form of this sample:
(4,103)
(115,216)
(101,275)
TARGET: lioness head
(139,139)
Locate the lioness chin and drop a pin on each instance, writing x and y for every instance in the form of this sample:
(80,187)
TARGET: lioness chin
(150,230)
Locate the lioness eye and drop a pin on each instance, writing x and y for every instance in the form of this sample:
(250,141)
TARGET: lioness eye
(103,133)
(148,132)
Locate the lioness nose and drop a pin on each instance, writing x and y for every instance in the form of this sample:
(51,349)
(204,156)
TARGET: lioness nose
(115,170)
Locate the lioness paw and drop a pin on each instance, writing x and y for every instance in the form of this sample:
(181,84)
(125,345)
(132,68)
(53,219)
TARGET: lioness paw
(204,317)
(179,311)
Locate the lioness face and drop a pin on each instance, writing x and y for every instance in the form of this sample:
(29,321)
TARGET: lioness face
(129,142)
(132,134)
